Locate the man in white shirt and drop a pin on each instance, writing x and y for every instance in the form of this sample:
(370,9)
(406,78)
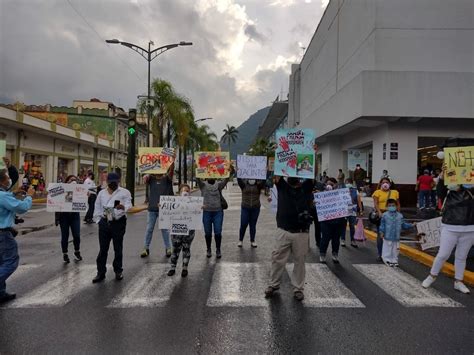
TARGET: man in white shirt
(92,193)
(111,207)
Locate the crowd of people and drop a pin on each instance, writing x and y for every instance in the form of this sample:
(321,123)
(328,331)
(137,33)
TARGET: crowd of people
(296,213)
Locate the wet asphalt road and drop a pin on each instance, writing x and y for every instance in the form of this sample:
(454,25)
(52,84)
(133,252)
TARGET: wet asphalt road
(219,308)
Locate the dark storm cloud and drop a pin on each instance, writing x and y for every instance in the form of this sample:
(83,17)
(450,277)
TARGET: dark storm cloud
(252,32)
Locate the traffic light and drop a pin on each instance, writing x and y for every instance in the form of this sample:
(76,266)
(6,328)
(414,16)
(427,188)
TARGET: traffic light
(132,122)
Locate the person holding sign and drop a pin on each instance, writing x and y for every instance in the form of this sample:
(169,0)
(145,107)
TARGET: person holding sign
(159,185)
(457,230)
(10,204)
(182,242)
(250,209)
(213,215)
(70,221)
(110,211)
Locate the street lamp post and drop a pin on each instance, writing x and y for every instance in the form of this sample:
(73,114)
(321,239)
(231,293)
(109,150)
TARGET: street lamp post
(149,55)
(192,150)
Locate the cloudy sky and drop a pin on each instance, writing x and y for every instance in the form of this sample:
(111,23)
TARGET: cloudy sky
(52,51)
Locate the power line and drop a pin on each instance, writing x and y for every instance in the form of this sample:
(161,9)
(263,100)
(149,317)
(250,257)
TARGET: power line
(103,40)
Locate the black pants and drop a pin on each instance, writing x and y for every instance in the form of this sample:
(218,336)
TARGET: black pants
(317,232)
(111,231)
(70,221)
(90,211)
(332,231)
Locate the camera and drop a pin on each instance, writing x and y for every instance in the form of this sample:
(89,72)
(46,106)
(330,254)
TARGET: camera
(305,218)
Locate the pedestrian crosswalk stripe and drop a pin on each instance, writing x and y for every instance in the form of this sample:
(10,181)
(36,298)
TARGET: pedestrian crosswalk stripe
(22,271)
(324,290)
(238,285)
(404,288)
(58,291)
(150,288)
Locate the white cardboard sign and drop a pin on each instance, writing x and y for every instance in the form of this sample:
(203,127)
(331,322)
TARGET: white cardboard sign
(431,233)
(180,214)
(66,198)
(333,204)
(251,167)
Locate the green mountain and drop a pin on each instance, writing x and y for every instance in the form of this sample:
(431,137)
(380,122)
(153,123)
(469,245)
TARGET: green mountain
(247,132)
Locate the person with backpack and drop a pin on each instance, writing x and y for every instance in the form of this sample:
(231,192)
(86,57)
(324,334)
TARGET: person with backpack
(213,214)
(357,209)
(381,196)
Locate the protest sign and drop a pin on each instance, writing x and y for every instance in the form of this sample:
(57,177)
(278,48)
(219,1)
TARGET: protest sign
(180,214)
(294,155)
(460,165)
(212,165)
(155,160)
(274,201)
(3,153)
(430,232)
(251,167)
(333,204)
(66,198)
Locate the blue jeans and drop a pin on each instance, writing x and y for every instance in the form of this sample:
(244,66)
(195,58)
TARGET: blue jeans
(352,220)
(424,197)
(70,220)
(150,227)
(212,219)
(249,216)
(8,258)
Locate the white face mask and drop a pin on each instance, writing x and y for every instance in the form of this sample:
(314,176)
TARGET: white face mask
(184,193)
(453,187)
(329,188)
(385,186)
(73,182)
(10,183)
(251,182)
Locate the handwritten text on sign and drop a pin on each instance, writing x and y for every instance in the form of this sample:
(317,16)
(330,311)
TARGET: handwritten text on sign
(460,165)
(294,155)
(155,160)
(430,231)
(333,204)
(180,214)
(66,198)
(251,167)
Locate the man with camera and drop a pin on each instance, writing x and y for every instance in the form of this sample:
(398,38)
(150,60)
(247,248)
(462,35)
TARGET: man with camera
(295,204)
(10,204)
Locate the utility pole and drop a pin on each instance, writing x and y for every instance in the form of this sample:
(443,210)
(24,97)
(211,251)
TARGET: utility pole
(131,157)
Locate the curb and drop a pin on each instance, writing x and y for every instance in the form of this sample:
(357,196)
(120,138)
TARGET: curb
(426,259)
(37,201)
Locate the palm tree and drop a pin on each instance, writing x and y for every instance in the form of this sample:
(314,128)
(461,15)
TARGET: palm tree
(263,147)
(230,135)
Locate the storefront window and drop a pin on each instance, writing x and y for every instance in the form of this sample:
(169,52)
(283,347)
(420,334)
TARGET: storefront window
(64,168)
(33,169)
(84,168)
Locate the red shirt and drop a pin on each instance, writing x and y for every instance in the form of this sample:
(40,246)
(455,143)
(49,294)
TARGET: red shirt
(425,182)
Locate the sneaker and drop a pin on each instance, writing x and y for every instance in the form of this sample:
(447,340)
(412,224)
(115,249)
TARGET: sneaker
(77,256)
(240,244)
(184,273)
(379,259)
(270,291)
(429,281)
(395,264)
(209,253)
(145,253)
(253,244)
(218,254)
(343,243)
(66,258)
(171,272)
(7,297)
(354,245)
(299,296)
(168,252)
(118,276)
(335,259)
(98,278)
(458,285)
(322,259)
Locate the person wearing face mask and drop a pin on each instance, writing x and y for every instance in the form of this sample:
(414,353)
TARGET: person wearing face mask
(10,204)
(70,221)
(391,225)
(250,209)
(357,209)
(359,176)
(381,196)
(110,211)
(331,231)
(213,215)
(457,231)
(181,242)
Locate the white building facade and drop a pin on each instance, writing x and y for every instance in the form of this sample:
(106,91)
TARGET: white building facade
(385,83)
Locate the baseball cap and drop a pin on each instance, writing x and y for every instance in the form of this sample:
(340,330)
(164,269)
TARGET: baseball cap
(113,177)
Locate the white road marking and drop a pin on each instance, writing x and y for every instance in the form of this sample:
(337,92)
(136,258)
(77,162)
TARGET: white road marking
(404,288)
(238,285)
(324,290)
(150,288)
(22,271)
(60,290)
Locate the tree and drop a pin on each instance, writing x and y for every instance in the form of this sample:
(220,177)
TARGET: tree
(262,147)
(230,135)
